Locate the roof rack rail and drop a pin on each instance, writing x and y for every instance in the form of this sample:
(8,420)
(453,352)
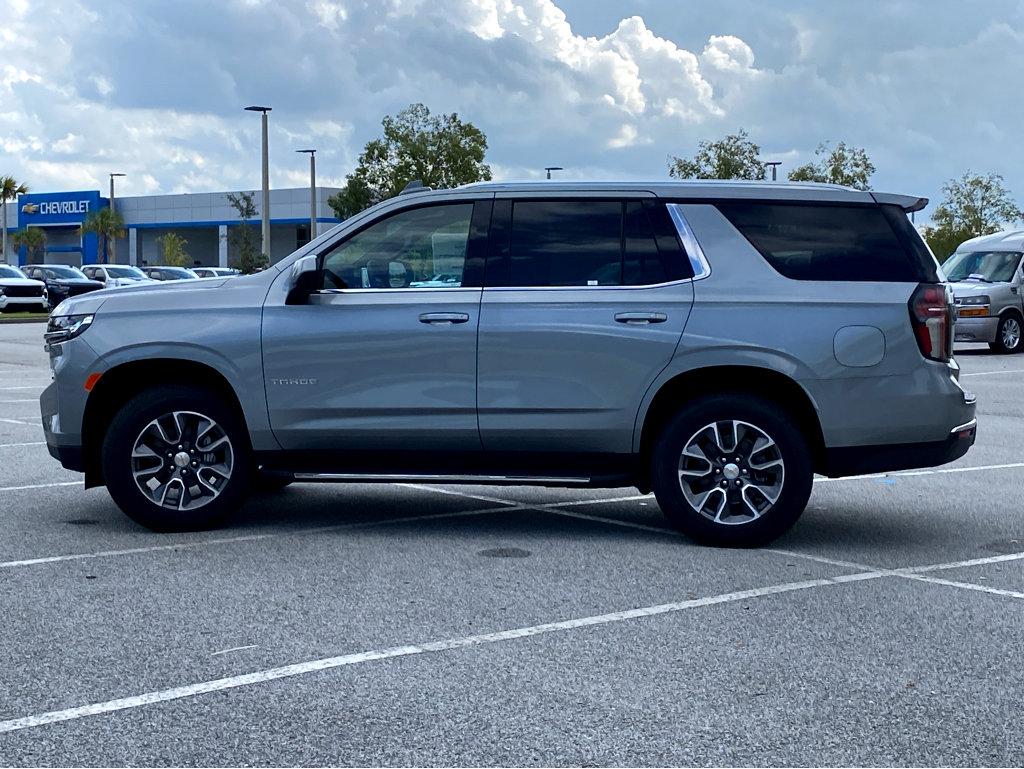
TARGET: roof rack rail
(416,185)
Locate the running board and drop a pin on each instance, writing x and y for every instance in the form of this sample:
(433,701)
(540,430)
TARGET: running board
(483,480)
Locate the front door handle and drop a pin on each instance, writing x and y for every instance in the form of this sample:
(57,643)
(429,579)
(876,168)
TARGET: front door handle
(444,318)
(641,318)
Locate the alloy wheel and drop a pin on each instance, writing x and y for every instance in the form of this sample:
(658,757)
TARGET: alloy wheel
(731,472)
(182,460)
(1011,333)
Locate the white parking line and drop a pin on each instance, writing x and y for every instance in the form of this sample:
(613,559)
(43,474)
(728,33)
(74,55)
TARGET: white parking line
(234,649)
(22,400)
(242,538)
(329,663)
(39,486)
(17,422)
(14,445)
(990,373)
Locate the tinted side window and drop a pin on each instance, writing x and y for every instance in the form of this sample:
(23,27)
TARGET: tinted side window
(419,248)
(566,243)
(824,242)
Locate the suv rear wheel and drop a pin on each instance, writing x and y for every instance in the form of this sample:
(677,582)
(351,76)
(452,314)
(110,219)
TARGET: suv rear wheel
(177,459)
(732,470)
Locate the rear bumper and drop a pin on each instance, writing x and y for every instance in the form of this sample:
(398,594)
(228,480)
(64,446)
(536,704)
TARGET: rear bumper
(976,329)
(861,460)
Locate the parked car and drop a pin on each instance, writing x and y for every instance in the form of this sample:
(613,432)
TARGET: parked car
(114,275)
(715,343)
(988,280)
(62,281)
(215,272)
(161,272)
(18,292)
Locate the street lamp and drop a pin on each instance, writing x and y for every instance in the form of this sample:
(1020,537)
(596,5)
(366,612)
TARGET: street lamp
(774,165)
(549,169)
(266,180)
(312,191)
(112,243)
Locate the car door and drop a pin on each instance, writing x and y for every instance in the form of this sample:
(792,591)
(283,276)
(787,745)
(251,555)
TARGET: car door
(383,355)
(584,303)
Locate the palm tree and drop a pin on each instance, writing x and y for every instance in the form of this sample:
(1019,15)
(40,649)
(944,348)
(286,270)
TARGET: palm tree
(105,224)
(9,190)
(33,239)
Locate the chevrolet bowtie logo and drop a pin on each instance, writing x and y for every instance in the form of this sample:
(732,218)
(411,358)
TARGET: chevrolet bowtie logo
(30,208)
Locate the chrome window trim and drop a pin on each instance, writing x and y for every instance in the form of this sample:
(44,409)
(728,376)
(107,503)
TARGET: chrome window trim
(698,261)
(640,287)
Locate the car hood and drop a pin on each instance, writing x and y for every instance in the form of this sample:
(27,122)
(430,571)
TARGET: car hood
(20,282)
(74,282)
(974,287)
(85,304)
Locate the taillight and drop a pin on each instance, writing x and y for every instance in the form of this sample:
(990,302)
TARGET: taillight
(932,316)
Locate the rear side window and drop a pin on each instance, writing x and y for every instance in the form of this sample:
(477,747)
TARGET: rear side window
(826,242)
(538,243)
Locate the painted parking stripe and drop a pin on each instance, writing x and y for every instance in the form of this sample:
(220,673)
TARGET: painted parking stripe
(40,486)
(173,546)
(21,400)
(990,373)
(431,647)
(17,422)
(14,445)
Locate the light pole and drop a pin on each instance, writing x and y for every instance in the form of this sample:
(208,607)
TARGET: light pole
(266,181)
(312,191)
(774,165)
(549,169)
(112,242)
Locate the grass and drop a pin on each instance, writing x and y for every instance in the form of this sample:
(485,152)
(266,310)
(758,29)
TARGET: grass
(9,316)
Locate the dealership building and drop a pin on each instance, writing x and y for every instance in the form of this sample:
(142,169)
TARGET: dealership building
(202,219)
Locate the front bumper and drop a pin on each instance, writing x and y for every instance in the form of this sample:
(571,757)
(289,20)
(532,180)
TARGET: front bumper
(7,302)
(861,460)
(976,329)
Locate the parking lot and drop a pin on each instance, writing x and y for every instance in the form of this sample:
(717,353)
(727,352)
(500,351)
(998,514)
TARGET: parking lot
(408,624)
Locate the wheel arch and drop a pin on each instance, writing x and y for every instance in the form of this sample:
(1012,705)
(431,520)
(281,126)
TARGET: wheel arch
(126,380)
(755,380)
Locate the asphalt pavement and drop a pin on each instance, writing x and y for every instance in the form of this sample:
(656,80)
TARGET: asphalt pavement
(427,625)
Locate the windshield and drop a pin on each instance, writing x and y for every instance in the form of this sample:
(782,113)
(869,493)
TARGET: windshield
(10,272)
(982,266)
(59,272)
(180,273)
(125,272)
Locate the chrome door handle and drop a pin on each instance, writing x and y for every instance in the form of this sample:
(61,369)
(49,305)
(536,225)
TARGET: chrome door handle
(641,318)
(444,318)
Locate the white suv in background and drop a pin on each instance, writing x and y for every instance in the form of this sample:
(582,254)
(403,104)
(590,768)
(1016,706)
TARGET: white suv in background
(112,275)
(20,293)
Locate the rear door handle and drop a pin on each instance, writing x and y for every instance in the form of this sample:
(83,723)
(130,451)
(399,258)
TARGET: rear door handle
(444,318)
(641,318)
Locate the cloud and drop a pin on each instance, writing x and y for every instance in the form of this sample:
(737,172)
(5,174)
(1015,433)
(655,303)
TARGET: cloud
(606,88)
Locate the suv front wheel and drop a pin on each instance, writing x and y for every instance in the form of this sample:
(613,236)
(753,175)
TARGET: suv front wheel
(732,470)
(177,459)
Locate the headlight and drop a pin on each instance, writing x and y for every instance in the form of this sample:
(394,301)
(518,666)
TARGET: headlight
(974,300)
(973,306)
(61,328)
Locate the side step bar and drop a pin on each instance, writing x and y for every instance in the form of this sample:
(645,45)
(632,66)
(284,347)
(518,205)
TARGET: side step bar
(483,480)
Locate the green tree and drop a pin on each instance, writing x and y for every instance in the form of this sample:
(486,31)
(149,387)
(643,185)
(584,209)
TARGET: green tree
(243,239)
(172,250)
(442,151)
(33,239)
(732,157)
(842,164)
(972,205)
(105,224)
(10,188)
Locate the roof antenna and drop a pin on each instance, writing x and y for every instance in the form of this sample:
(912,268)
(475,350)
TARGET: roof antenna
(416,185)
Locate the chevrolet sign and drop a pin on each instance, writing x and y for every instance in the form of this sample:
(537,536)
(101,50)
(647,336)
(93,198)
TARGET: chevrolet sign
(30,208)
(57,207)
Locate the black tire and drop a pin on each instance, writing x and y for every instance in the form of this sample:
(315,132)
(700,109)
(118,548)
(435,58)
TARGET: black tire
(790,483)
(117,459)
(1005,344)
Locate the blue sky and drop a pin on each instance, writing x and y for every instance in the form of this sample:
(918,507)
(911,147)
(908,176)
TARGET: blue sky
(606,88)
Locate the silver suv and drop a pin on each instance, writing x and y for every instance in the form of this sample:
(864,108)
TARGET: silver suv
(715,343)
(987,277)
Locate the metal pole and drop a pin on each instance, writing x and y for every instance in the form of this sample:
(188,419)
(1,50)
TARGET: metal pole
(266,190)
(112,242)
(312,195)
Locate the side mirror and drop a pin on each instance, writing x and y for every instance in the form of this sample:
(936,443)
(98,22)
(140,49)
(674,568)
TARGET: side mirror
(303,280)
